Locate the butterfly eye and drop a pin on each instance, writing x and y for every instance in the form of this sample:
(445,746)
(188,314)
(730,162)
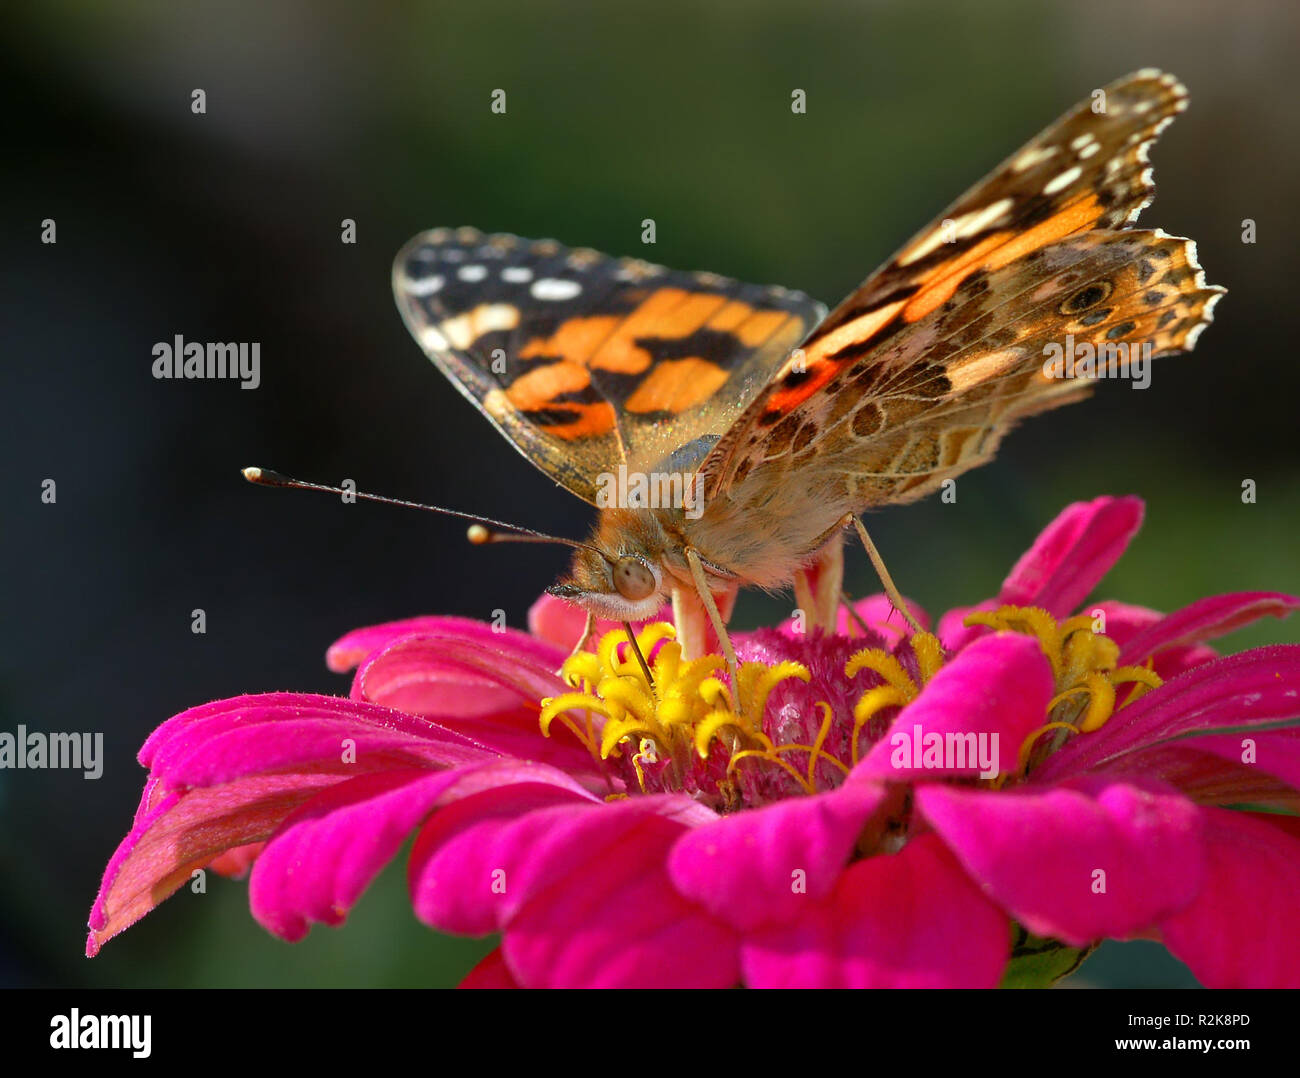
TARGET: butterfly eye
(634,579)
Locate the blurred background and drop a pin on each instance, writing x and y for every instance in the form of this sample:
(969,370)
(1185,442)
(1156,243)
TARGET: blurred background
(226,226)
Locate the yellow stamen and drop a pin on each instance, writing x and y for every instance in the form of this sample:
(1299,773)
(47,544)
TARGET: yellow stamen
(1026,746)
(1083,668)
(929,655)
(873,701)
(884,664)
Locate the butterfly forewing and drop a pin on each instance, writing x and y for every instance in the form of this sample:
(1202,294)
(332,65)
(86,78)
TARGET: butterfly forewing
(585,361)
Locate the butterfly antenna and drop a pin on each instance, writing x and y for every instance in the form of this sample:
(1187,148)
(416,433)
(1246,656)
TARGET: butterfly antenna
(482,529)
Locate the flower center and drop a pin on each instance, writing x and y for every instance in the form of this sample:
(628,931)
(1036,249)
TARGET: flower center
(682,728)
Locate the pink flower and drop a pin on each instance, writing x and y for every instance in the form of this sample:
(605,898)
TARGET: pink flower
(809,826)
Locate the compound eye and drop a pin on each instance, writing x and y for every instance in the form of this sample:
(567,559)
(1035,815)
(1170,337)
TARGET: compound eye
(633,579)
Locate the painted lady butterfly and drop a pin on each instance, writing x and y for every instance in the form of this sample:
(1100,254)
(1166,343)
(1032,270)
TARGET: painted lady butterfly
(787,423)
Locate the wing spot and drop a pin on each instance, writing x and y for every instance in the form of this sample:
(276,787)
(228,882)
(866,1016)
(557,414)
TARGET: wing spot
(472,273)
(517,274)
(1087,297)
(1061,182)
(1031,157)
(867,420)
(425,286)
(554,289)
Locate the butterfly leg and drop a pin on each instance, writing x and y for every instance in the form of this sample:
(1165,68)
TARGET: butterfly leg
(818,586)
(705,594)
(891,589)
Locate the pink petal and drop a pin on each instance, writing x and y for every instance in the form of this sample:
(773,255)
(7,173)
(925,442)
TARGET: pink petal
(1246,690)
(1076,863)
(491,972)
(183,832)
(235,863)
(1072,554)
(1212,778)
(591,905)
(475,864)
(1205,620)
(910,920)
(771,863)
(355,647)
(176,743)
(323,857)
(1124,622)
(487,694)
(1274,752)
(997,689)
(1240,932)
(248,735)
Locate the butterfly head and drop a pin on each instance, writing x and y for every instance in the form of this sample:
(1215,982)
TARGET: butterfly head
(619,575)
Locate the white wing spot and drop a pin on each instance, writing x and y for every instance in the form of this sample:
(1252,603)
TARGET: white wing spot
(424,286)
(472,273)
(963,227)
(1061,182)
(1087,151)
(466,328)
(517,274)
(553,288)
(1082,141)
(1031,157)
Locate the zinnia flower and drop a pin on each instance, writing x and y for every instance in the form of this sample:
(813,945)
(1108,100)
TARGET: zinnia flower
(974,806)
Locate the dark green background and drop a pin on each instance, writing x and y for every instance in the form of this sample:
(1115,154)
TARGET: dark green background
(225,226)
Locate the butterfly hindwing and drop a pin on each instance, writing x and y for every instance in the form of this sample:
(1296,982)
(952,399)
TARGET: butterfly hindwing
(585,361)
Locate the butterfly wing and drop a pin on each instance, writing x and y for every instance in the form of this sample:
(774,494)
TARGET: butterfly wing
(585,361)
(918,374)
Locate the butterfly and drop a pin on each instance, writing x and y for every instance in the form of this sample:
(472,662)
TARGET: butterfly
(730,433)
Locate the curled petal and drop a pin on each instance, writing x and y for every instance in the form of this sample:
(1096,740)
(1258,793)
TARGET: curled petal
(1243,691)
(1240,930)
(1072,554)
(1206,619)
(768,864)
(1079,863)
(324,856)
(580,891)
(996,690)
(184,832)
(908,920)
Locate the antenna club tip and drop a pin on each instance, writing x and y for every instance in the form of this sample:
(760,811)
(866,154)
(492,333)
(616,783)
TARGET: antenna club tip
(478,534)
(252,474)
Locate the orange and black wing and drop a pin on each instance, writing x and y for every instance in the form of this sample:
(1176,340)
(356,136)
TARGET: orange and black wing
(918,373)
(586,362)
